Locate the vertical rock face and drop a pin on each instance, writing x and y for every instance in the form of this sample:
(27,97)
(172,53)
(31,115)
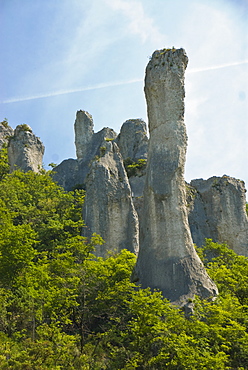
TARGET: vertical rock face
(133,143)
(108,207)
(83,133)
(5,132)
(25,150)
(167,260)
(217,211)
(133,140)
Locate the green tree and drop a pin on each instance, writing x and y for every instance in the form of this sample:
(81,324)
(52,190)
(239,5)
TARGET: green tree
(4,165)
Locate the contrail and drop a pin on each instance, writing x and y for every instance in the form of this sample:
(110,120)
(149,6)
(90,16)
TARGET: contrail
(203,69)
(69,91)
(110,84)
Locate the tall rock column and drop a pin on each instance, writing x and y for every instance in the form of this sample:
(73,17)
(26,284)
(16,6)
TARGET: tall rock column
(167,259)
(83,127)
(25,150)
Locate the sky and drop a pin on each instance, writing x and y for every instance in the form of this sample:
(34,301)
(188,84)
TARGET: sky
(60,56)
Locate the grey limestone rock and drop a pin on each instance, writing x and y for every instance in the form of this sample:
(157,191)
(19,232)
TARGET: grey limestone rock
(73,172)
(108,208)
(132,139)
(5,133)
(217,211)
(25,150)
(167,259)
(133,143)
(83,127)
(67,174)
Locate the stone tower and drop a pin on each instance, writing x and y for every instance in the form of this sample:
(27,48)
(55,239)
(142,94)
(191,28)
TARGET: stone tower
(83,127)
(25,150)
(167,259)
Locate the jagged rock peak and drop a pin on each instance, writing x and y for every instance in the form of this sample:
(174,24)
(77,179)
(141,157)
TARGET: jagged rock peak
(25,150)
(83,127)
(132,139)
(217,210)
(167,259)
(5,132)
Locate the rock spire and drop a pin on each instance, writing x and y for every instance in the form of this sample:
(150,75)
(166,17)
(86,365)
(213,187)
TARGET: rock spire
(167,259)
(25,150)
(5,133)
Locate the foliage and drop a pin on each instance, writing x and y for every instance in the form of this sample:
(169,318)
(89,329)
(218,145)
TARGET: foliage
(4,165)
(63,308)
(102,151)
(135,168)
(24,127)
(5,123)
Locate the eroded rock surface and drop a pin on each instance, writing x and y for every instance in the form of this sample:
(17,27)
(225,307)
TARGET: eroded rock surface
(72,173)
(83,127)
(25,150)
(217,211)
(167,259)
(108,207)
(132,139)
(133,143)
(5,133)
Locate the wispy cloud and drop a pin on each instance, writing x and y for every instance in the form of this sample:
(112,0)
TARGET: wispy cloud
(203,69)
(138,22)
(69,91)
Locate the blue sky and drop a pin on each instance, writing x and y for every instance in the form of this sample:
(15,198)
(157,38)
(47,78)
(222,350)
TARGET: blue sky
(59,56)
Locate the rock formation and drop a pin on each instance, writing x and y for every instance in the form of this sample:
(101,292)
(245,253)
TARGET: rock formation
(217,211)
(72,173)
(5,133)
(167,259)
(83,127)
(128,185)
(132,139)
(133,143)
(99,169)
(25,150)
(108,207)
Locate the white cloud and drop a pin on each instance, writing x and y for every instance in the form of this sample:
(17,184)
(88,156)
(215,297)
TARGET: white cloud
(139,23)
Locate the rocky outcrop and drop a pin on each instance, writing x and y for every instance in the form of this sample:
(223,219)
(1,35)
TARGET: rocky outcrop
(25,150)
(108,207)
(99,169)
(67,174)
(132,139)
(72,173)
(83,128)
(217,211)
(5,133)
(167,259)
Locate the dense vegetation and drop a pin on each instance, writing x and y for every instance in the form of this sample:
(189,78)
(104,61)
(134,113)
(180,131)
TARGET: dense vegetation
(62,308)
